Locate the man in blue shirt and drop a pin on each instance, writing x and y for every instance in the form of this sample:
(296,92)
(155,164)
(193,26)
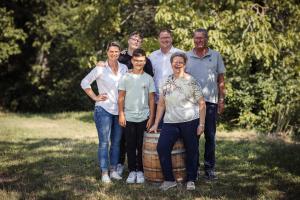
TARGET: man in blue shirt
(207,67)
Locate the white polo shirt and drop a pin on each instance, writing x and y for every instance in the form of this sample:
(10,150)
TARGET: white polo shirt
(107,82)
(161,67)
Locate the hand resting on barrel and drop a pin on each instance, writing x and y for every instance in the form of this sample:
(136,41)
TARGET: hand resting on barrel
(153,129)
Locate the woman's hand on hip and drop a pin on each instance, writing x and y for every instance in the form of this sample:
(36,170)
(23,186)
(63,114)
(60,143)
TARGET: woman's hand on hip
(101,97)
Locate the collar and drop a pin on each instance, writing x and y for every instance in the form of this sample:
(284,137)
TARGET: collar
(208,54)
(172,50)
(108,67)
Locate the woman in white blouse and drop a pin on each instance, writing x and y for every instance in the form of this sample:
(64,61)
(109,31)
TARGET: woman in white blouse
(182,101)
(106,110)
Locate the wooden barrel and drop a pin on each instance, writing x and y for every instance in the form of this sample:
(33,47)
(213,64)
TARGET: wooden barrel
(151,164)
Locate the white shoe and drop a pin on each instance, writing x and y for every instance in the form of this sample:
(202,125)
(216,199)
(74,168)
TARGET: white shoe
(140,177)
(105,178)
(115,175)
(120,169)
(190,185)
(167,185)
(131,177)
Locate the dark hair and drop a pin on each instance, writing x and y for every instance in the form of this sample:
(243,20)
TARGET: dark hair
(164,30)
(138,53)
(113,44)
(202,30)
(136,33)
(179,54)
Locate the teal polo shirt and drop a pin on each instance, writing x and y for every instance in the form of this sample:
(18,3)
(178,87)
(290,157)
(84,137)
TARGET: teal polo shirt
(206,70)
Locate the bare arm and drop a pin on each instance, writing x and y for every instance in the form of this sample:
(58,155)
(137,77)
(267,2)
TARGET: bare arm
(152,110)
(221,87)
(93,96)
(202,113)
(159,113)
(121,99)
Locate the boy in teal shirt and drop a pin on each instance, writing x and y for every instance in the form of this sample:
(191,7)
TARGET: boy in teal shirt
(136,112)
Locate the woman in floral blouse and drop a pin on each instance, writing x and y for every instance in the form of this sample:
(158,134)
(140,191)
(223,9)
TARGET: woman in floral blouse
(182,101)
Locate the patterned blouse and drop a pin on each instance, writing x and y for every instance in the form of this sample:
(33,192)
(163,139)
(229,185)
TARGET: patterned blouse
(181,97)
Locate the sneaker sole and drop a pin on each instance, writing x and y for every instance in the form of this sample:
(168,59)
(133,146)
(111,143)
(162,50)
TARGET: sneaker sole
(130,182)
(190,188)
(140,182)
(116,178)
(165,189)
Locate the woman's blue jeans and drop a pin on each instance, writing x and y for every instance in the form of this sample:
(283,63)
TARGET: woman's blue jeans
(109,135)
(169,134)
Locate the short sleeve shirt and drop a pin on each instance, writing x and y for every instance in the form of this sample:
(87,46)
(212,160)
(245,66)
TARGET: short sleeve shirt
(206,70)
(137,88)
(181,97)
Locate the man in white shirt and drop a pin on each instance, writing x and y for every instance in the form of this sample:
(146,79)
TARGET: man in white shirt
(161,63)
(160,59)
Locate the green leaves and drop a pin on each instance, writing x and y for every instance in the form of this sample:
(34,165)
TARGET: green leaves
(46,46)
(260,45)
(10,36)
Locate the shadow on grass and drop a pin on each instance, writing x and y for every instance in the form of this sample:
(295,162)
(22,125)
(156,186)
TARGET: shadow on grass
(260,168)
(67,169)
(296,137)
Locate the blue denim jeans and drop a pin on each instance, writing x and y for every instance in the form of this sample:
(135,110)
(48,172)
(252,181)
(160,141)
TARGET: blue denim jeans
(109,133)
(209,134)
(169,134)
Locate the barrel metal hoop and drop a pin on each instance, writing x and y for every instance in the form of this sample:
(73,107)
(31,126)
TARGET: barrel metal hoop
(151,140)
(159,170)
(177,151)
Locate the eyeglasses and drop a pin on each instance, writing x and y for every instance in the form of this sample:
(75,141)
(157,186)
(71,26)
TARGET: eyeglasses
(178,63)
(138,61)
(136,40)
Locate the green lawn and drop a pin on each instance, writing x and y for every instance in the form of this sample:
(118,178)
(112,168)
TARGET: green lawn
(53,156)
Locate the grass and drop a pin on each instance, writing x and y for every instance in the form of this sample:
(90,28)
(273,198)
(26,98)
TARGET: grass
(53,156)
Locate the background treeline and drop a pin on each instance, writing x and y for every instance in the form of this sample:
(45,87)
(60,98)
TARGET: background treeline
(46,47)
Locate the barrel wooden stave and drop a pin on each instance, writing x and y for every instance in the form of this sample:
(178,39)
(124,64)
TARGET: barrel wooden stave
(152,168)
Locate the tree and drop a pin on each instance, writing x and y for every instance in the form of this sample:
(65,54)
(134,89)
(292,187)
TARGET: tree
(260,44)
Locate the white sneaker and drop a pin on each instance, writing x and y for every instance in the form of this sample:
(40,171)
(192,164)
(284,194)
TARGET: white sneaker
(190,185)
(167,185)
(140,177)
(131,177)
(120,169)
(105,178)
(115,175)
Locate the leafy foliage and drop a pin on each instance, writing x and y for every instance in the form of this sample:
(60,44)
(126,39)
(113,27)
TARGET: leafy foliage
(260,45)
(9,36)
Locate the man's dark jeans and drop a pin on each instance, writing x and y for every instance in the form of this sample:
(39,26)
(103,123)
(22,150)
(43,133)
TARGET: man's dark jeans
(209,134)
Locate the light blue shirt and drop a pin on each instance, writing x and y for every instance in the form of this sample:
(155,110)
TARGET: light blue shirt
(162,67)
(206,70)
(137,88)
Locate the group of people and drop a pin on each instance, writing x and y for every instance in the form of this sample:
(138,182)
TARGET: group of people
(179,92)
